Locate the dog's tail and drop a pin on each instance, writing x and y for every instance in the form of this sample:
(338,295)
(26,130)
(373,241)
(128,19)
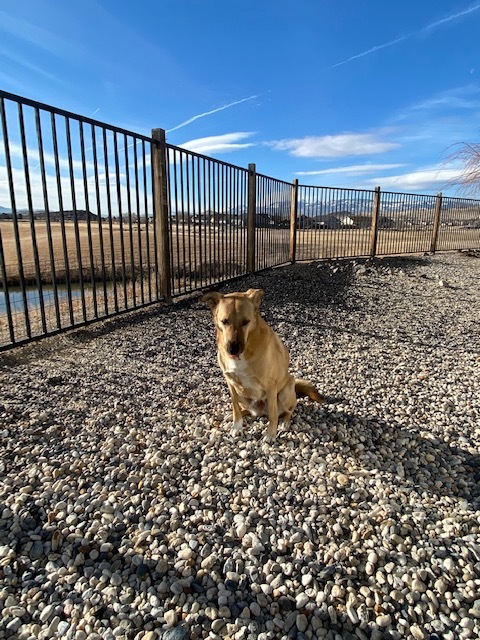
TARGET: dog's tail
(306,388)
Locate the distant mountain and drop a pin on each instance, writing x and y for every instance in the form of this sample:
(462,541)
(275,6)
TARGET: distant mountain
(5,210)
(240,210)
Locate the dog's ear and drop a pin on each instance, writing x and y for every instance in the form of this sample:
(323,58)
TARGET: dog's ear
(212,299)
(256,296)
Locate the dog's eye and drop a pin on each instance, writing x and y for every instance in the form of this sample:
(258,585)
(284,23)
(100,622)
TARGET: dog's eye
(226,322)
(245,322)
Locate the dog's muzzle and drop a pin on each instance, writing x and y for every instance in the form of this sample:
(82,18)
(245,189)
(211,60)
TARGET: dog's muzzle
(234,348)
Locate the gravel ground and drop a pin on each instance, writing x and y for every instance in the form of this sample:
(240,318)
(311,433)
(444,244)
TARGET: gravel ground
(127,510)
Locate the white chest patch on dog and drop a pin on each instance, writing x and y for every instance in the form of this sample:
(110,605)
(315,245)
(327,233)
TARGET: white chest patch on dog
(236,365)
(246,385)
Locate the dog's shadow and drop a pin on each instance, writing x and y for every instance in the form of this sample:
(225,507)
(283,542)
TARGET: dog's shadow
(315,284)
(402,457)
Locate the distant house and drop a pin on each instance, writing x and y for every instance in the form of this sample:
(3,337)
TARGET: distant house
(329,221)
(282,222)
(207,216)
(305,222)
(357,222)
(365,222)
(263,220)
(219,218)
(385,223)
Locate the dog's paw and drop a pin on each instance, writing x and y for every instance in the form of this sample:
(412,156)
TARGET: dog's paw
(236,428)
(267,442)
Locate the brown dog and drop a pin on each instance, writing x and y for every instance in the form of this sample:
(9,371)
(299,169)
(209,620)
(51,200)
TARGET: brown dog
(254,361)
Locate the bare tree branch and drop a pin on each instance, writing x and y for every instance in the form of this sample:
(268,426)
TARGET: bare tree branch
(467,156)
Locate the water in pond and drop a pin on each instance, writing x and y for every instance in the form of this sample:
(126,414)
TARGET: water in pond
(33,297)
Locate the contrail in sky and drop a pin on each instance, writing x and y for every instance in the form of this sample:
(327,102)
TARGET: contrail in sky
(207,113)
(433,25)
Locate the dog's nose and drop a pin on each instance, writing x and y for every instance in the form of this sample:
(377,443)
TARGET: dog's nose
(233,348)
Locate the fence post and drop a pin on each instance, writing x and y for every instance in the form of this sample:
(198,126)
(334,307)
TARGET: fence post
(436,222)
(374,227)
(252,206)
(161,213)
(293,221)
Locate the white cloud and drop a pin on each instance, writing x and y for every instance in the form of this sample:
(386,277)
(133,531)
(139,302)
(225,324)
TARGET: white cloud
(219,144)
(422,180)
(465,97)
(334,146)
(352,170)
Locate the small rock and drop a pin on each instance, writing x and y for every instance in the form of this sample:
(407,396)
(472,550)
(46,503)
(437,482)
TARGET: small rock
(171,618)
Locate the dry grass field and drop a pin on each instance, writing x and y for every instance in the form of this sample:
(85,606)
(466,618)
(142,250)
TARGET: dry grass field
(114,250)
(117,265)
(72,246)
(194,248)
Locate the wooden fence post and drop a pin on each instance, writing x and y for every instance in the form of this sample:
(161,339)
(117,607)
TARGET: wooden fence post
(161,213)
(374,227)
(436,222)
(251,213)
(293,221)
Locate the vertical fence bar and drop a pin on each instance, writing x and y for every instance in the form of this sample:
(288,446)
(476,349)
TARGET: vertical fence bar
(89,224)
(176,261)
(436,222)
(203,222)
(110,221)
(260,221)
(120,217)
(66,258)
(47,216)
(139,223)
(374,227)
(197,225)
(130,222)
(75,217)
(231,219)
(222,228)
(6,293)
(293,221)
(36,259)
(192,237)
(252,203)
(160,196)
(99,213)
(213,168)
(147,224)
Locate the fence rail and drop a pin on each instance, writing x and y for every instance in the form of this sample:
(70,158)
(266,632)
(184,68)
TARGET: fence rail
(96,221)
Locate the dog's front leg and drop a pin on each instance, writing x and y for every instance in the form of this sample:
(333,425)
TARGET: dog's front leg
(237,424)
(272,414)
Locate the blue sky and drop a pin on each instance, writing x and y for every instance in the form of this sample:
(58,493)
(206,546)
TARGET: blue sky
(336,93)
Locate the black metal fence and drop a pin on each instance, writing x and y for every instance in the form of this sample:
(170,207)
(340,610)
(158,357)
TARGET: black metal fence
(207,220)
(273,203)
(96,221)
(77,239)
